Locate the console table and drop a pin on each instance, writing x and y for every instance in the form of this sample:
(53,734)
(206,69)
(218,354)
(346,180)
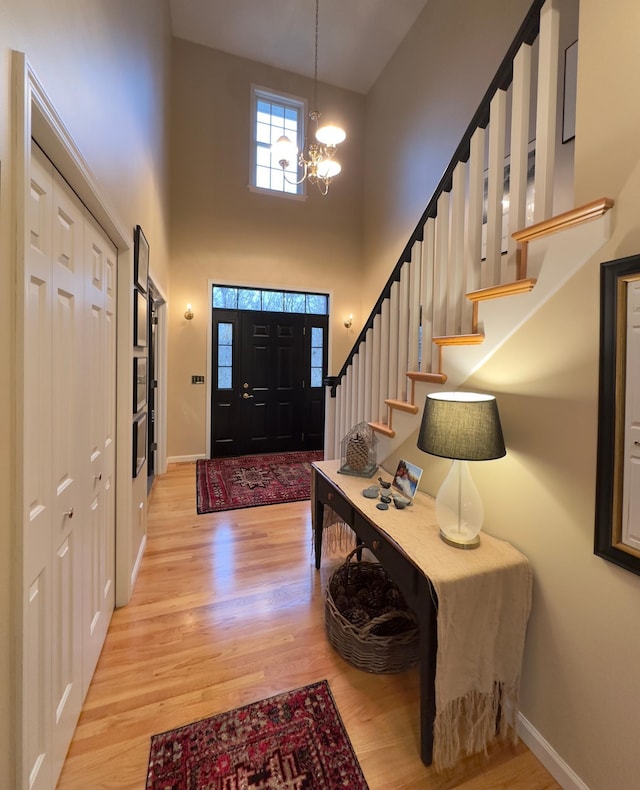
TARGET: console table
(430,574)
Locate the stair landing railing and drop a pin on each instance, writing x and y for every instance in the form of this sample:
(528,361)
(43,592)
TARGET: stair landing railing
(463,243)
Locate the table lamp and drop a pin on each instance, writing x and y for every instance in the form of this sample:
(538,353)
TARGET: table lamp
(463,426)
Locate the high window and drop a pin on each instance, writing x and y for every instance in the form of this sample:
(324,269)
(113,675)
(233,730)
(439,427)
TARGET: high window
(275,115)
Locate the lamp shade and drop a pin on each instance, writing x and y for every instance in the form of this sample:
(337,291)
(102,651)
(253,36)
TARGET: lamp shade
(461,425)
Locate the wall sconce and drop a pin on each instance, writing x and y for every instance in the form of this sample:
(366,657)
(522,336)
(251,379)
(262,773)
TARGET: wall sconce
(188,313)
(348,321)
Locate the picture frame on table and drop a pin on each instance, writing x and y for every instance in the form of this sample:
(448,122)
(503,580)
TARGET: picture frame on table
(140,259)
(140,367)
(139,444)
(140,319)
(407,478)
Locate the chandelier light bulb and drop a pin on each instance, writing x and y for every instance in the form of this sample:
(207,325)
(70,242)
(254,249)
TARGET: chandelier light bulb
(330,135)
(328,168)
(284,150)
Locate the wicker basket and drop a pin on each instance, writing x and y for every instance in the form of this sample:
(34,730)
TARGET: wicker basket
(388,642)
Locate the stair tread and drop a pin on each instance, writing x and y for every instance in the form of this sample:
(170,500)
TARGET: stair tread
(434,378)
(402,405)
(458,340)
(504,289)
(380,427)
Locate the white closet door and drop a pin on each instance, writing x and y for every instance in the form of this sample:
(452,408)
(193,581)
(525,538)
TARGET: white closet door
(99,452)
(69,465)
(37,503)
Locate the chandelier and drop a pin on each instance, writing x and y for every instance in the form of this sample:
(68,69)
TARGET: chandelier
(318,164)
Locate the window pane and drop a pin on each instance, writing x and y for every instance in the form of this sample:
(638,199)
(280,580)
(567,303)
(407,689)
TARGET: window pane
(316,304)
(224,378)
(316,336)
(263,177)
(226,298)
(294,303)
(277,111)
(263,107)
(273,301)
(316,357)
(263,133)
(263,156)
(249,300)
(277,181)
(316,377)
(224,356)
(225,334)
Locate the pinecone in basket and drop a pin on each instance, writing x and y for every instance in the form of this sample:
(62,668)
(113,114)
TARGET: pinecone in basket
(394,598)
(371,598)
(392,627)
(357,617)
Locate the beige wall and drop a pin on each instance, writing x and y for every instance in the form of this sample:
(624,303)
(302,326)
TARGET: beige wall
(105,66)
(580,684)
(222,231)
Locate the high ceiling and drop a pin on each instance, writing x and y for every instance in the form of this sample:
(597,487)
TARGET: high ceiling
(356,37)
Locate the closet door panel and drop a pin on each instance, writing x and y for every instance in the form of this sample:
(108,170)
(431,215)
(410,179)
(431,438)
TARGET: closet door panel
(36,472)
(99,394)
(66,467)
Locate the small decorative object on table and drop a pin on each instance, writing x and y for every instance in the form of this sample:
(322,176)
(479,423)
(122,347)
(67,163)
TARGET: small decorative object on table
(358,451)
(367,618)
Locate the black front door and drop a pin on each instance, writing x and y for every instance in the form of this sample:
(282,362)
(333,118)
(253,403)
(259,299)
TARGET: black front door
(264,396)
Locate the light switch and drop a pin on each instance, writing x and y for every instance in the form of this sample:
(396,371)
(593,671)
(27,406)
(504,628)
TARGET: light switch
(197,379)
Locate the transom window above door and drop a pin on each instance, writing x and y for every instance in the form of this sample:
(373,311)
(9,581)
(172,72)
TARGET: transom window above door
(269,301)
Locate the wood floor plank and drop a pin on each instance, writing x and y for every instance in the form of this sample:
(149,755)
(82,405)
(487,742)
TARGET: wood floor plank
(228,609)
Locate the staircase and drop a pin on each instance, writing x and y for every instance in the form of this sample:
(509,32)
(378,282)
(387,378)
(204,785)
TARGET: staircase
(485,255)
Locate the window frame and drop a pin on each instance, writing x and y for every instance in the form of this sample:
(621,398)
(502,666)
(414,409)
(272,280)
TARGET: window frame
(288,100)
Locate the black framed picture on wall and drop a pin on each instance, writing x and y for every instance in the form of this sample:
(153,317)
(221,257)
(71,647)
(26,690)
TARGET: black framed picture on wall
(140,325)
(139,446)
(140,259)
(139,383)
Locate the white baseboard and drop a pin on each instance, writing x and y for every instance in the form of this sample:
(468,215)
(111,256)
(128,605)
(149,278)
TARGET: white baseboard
(138,562)
(548,756)
(184,459)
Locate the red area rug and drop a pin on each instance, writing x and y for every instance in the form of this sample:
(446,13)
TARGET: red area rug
(252,480)
(293,741)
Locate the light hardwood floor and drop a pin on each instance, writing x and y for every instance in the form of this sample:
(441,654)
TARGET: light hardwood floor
(228,609)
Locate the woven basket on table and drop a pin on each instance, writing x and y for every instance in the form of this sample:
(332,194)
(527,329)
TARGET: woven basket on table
(388,641)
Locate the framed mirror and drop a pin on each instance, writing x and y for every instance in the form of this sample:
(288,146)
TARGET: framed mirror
(617,527)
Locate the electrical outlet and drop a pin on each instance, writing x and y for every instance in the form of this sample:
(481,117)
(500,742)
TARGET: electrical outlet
(197,379)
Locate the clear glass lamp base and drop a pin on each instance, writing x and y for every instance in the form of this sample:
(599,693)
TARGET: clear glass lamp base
(459,509)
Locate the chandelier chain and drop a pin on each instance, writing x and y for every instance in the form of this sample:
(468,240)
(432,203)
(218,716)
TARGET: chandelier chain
(315,68)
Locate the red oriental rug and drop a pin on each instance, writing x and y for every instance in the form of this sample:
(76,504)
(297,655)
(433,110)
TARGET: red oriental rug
(252,480)
(293,741)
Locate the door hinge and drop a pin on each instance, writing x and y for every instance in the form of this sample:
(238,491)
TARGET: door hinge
(154,319)
(154,446)
(154,383)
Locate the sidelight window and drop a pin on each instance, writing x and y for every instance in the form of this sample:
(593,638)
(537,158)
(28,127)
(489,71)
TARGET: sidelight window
(225,356)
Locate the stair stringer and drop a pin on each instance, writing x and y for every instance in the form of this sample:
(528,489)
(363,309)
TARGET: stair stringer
(553,260)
